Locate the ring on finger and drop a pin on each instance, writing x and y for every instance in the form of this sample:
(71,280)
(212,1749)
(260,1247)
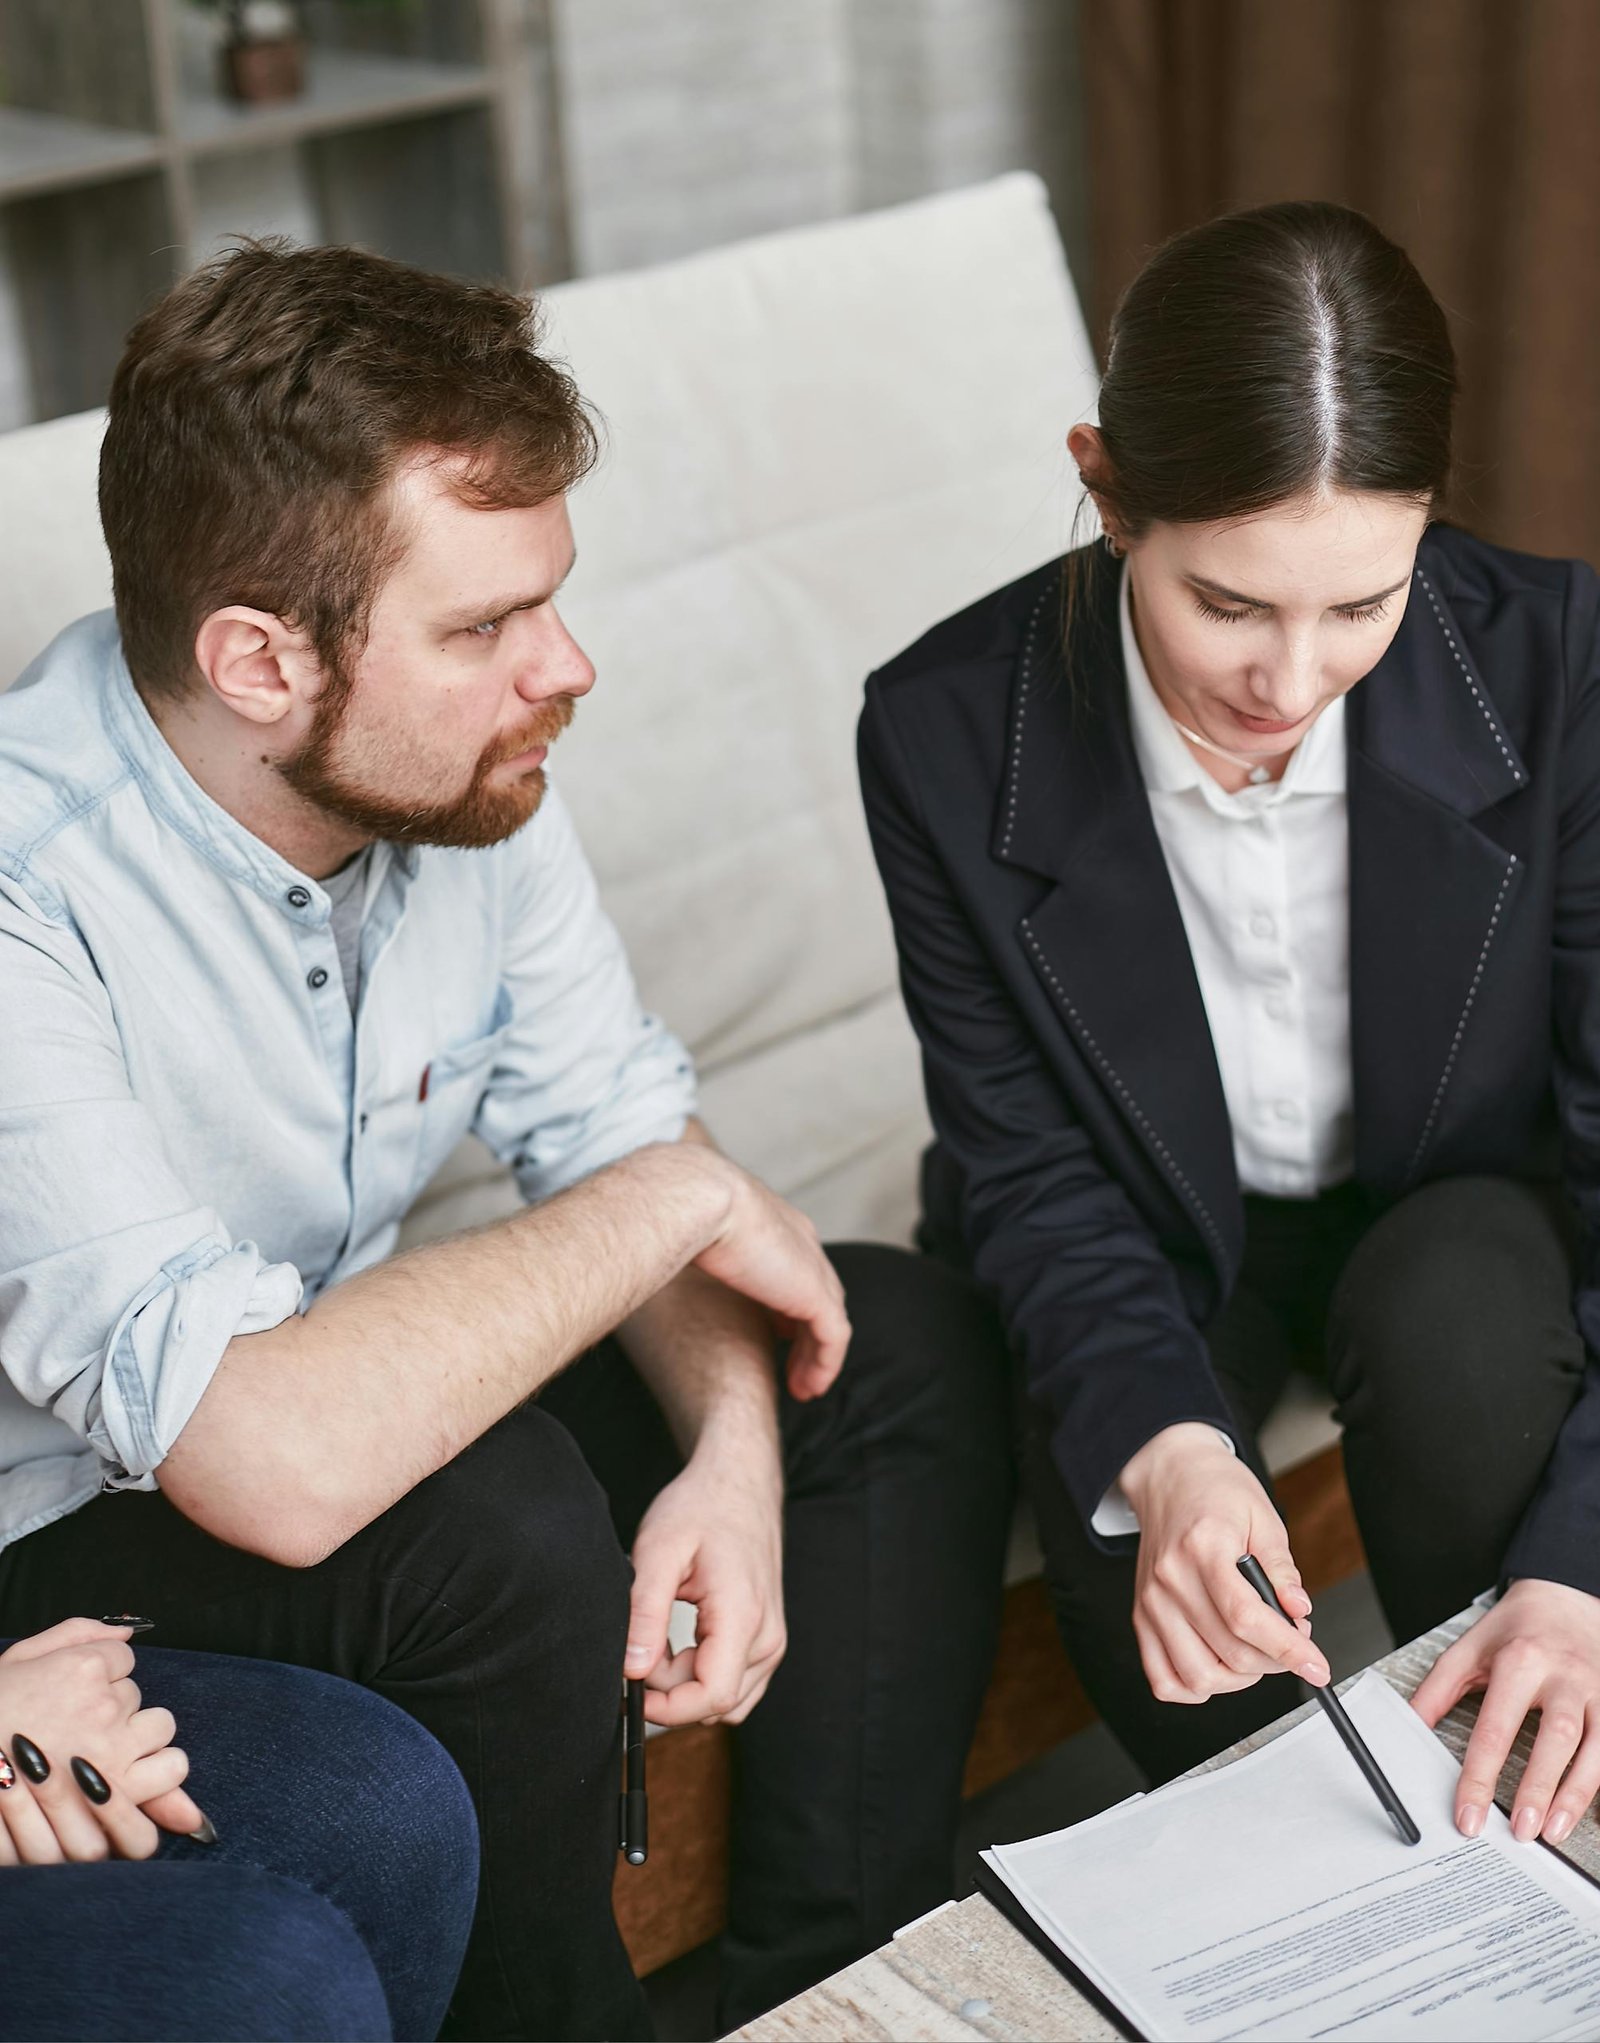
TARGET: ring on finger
(8,1777)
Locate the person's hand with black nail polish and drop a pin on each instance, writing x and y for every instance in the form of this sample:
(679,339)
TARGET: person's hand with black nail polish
(85,1771)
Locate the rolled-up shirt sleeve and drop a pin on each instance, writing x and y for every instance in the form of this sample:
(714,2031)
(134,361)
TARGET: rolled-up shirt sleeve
(119,1293)
(583,1075)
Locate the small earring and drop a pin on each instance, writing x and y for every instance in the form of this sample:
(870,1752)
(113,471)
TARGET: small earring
(1113,547)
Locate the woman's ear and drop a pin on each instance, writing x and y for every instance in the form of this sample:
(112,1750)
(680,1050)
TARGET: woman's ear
(1088,450)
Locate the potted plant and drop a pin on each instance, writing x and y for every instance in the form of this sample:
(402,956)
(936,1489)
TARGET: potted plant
(263,52)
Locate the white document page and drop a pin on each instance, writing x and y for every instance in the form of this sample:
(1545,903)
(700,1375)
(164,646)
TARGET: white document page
(1274,1898)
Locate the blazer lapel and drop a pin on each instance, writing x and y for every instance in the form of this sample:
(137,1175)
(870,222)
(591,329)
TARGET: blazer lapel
(1107,940)
(1429,889)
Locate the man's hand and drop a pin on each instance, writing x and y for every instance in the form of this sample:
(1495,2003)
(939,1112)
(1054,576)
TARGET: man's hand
(1538,1649)
(714,1538)
(1202,1630)
(69,1691)
(770,1252)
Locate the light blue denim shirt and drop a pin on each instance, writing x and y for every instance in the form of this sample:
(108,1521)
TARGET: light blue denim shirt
(196,1136)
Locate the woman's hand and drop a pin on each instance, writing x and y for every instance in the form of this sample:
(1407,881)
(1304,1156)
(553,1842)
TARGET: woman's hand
(1202,1629)
(68,1695)
(1537,1649)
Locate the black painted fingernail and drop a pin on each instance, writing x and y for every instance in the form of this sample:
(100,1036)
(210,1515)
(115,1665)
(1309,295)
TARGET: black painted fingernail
(29,1758)
(92,1781)
(134,1624)
(207,1833)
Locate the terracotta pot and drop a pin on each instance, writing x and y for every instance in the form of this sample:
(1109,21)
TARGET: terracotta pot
(259,72)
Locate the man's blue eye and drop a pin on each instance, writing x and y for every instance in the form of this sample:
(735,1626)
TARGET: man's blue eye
(487,629)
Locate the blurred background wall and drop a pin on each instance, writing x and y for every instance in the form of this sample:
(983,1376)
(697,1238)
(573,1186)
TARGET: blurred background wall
(533,139)
(540,139)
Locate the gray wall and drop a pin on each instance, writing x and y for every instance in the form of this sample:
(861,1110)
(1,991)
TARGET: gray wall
(685,123)
(639,130)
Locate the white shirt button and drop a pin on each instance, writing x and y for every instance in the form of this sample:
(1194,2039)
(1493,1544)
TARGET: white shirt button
(1262,925)
(1277,1007)
(1286,1110)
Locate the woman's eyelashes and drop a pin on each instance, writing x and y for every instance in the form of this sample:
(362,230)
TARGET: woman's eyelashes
(1222,616)
(1369,615)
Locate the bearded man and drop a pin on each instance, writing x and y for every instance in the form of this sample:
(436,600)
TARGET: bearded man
(286,907)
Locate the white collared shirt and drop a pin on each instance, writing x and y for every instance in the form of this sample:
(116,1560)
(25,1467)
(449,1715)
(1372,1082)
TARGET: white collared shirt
(1263,884)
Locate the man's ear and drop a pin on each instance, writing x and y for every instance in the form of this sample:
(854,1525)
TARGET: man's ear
(1088,450)
(261,667)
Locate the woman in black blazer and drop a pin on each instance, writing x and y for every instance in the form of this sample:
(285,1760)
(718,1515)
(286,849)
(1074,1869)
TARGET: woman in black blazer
(1245,872)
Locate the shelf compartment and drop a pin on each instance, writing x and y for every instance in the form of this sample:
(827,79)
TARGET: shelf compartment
(422,191)
(344,90)
(84,264)
(41,152)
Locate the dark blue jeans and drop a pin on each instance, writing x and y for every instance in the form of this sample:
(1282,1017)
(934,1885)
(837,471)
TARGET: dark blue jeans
(336,1902)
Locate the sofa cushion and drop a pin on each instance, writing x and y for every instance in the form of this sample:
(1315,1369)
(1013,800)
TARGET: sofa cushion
(820,442)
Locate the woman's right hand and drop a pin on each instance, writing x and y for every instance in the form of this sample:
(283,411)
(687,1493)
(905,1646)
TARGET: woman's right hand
(69,1693)
(1202,1629)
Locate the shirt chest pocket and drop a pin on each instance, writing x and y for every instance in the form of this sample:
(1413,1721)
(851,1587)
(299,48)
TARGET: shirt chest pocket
(451,1087)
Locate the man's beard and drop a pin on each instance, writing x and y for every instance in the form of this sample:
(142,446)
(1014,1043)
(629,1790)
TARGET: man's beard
(487,812)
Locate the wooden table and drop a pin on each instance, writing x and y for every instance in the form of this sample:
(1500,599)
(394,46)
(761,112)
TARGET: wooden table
(966,1973)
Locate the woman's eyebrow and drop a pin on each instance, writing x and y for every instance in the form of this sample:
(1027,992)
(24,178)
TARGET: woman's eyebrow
(1216,589)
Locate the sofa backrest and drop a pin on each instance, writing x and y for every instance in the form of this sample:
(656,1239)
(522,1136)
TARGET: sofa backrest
(820,442)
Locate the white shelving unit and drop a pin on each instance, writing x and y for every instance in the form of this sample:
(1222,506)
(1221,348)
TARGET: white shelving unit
(114,141)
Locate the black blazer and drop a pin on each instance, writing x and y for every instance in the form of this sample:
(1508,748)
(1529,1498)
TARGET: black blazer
(1083,1139)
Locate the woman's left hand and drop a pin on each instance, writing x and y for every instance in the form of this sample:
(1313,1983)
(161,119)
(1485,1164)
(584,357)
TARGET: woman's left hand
(1537,1649)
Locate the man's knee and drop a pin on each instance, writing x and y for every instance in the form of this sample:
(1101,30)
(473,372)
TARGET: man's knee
(520,1519)
(927,1351)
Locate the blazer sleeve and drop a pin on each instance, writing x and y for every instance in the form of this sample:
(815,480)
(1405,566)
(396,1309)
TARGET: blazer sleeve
(1559,1537)
(1087,1296)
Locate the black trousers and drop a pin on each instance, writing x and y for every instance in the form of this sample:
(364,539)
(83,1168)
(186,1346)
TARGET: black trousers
(1445,1332)
(491,1603)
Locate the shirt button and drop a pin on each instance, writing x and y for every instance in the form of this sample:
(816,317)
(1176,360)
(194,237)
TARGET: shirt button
(1277,1007)
(317,978)
(1263,925)
(297,897)
(1286,1110)
(363,1124)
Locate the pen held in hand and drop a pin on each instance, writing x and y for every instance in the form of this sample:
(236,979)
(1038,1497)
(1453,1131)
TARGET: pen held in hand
(633,1814)
(1338,1716)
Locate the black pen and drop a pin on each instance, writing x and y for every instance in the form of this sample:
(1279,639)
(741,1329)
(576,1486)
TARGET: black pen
(1338,1716)
(632,1816)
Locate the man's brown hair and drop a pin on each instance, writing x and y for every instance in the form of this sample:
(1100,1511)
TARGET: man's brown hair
(258,413)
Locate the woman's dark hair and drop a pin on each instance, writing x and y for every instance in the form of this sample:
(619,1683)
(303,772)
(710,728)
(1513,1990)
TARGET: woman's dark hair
(1268,354)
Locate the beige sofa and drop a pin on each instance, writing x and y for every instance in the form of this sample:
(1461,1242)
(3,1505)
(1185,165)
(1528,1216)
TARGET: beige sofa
(820,442)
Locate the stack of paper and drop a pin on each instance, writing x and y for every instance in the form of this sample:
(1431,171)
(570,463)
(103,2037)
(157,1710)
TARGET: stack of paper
(1272,1898)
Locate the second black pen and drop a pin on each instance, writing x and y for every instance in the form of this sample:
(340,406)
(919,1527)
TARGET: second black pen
(1338,1716)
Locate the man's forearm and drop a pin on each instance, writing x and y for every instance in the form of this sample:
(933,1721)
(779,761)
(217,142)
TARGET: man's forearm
(308,1432)
(706,1354)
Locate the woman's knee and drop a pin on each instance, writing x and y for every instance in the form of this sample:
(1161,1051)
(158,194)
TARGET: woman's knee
(286,1961)
(1457,1296)
(183,1950)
